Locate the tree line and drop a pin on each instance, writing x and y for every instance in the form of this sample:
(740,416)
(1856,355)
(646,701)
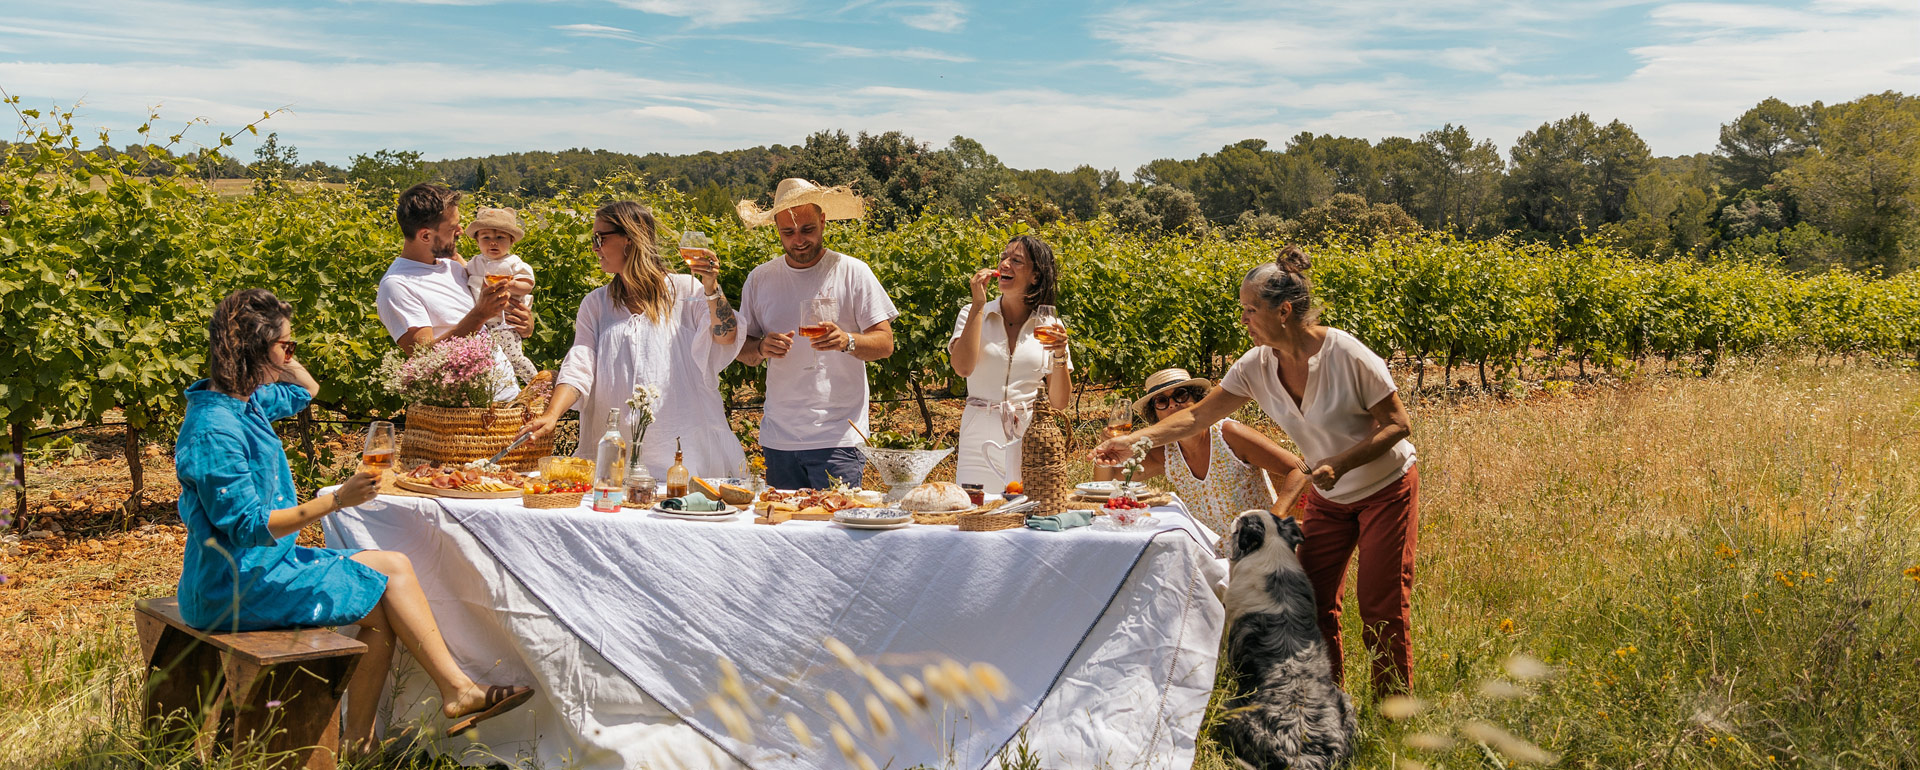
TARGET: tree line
(1805,187)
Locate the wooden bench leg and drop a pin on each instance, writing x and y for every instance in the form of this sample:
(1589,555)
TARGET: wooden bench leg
(184,678)
(292,709)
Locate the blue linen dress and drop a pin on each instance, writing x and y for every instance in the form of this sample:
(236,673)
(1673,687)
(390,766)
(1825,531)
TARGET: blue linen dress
(233,472)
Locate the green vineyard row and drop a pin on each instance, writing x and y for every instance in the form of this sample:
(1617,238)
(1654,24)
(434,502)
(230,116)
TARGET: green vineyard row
(107,279)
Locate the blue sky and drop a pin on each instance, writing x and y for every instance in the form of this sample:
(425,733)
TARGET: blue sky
(1054,85)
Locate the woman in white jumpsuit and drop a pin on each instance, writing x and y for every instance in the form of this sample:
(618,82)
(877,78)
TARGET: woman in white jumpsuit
(994,347)
(650,327)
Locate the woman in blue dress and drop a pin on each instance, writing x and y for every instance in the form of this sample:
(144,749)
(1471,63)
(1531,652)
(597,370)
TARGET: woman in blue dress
(242,570)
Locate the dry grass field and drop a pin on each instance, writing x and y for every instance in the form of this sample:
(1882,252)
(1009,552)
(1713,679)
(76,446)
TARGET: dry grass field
(1679,571)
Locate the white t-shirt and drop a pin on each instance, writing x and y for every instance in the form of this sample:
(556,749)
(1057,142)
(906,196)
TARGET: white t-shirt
(809,408)
(1343,380)
(413,295)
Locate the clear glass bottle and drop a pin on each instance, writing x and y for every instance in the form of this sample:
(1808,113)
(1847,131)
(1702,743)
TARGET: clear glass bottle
(679,481)
(610,466)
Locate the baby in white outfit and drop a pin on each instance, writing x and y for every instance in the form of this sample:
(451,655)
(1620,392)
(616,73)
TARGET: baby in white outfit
(496,230)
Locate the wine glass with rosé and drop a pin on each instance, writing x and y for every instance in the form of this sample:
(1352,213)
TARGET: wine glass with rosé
(820,312)
(1048,325)
(696,249)
(1119,418)
(378,452)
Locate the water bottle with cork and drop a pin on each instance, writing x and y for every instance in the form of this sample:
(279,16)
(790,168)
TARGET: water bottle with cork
(610,466)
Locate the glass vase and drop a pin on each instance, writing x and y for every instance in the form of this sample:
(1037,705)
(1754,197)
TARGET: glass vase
(641,491)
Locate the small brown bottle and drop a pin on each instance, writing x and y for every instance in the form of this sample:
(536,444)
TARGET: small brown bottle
(679,481)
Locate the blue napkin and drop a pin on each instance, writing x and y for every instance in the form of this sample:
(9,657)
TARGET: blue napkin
(1060,522)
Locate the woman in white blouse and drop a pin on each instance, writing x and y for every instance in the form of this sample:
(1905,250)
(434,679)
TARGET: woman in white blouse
(650,327)
(994,347)
(1336,400)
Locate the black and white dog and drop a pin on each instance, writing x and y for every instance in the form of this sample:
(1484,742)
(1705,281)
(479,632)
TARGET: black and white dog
(1286,711)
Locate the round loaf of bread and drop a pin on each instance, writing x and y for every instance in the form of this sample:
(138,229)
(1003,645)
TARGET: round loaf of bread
(936,497)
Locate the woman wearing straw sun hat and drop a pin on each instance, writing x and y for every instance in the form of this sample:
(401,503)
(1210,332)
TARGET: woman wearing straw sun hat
(1220,472)
(1337,401)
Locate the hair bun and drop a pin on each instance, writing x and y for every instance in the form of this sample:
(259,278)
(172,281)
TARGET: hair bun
(1293,260)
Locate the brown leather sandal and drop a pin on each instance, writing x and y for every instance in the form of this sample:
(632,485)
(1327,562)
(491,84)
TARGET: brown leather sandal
(500,700)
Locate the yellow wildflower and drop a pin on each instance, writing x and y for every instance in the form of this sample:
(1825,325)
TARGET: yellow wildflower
(1912,573)
(1506,625)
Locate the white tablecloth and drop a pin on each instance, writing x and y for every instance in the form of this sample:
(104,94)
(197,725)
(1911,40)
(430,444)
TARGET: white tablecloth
(1109,639)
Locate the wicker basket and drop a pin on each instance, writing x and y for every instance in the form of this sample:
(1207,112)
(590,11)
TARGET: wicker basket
(990,521)
(553,500)
(954,516)
(1043,461)
(443,435)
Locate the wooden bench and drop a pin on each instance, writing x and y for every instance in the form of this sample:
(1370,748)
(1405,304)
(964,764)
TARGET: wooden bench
(278,689)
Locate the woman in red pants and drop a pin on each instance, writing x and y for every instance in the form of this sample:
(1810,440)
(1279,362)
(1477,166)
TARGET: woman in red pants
(1336,400)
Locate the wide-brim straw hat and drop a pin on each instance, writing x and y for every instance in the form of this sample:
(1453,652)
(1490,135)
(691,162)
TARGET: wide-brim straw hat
(1166,380)
(834,202)
(496,219)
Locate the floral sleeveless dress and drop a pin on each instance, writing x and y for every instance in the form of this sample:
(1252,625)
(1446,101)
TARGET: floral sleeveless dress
(1231,485)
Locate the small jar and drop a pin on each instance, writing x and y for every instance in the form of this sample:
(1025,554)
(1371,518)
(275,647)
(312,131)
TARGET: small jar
(975,493)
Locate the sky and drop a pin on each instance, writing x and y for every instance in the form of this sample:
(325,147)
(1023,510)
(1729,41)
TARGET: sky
(1110,84)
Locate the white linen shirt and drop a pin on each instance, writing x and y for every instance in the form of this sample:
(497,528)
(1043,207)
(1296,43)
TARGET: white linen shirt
(414,295)
(614,350)
(809,408)
(1343,380)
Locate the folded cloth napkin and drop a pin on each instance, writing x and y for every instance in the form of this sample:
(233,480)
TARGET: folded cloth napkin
(1061,522)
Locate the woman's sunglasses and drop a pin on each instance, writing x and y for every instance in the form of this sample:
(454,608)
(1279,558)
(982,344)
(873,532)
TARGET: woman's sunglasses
(1181,396)
(287,346)
(600,237)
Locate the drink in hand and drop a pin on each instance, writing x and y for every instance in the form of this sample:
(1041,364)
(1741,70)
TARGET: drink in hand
(378,461)
(493,279)
(1115,431)
(814,332)
(380,447)
(1048,334)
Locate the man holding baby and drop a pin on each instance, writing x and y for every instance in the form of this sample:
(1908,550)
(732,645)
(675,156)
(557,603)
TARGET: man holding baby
(424,296)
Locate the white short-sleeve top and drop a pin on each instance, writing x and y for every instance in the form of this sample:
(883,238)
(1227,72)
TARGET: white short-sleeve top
(1343,380)
(812,394)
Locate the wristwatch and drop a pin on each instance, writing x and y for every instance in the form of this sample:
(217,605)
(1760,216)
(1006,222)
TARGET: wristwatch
(718,292)
(849,348)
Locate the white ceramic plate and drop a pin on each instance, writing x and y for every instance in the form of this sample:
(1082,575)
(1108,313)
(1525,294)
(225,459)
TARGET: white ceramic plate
(865,525)
(1105,488)
(872,517)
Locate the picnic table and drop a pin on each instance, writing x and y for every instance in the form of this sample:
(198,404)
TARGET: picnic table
(1108,639)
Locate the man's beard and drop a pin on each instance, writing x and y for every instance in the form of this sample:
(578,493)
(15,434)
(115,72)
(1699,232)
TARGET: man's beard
(809,256)
(443,250)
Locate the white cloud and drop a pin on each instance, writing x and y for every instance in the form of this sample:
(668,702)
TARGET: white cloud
(853,52)
(601,31)
(715,12)
(937,16)
(156,27)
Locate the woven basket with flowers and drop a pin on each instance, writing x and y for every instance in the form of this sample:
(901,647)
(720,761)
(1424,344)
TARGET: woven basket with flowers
(451,414)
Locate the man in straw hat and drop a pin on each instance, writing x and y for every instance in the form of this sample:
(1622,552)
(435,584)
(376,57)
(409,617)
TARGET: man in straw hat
(423,296)
(816,393)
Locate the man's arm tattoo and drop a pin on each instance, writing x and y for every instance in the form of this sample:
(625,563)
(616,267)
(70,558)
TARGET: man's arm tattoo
(726,323)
